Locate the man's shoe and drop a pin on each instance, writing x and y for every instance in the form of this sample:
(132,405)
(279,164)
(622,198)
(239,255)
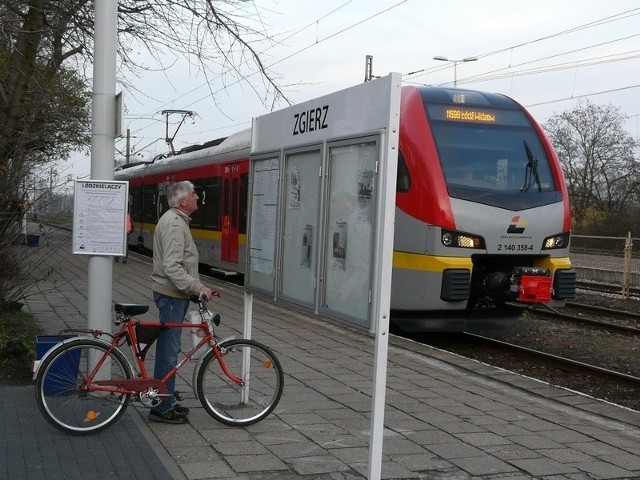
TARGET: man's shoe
(170,416)
(180,410)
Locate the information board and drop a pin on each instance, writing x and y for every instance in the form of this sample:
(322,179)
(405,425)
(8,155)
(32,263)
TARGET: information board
(100,217)
(264,203)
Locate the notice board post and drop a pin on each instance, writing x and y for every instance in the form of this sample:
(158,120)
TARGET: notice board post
(103,132)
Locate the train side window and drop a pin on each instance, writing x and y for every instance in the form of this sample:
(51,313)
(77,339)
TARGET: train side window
(161,203)
(149,204)
(211,203)
(403,182)
(135,208)
(197,217)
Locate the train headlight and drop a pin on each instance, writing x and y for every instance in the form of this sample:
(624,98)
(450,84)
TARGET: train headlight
(465,241)
(447,239)
(560,240)
(451,238)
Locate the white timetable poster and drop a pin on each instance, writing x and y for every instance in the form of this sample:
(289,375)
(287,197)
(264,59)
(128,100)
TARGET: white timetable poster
(99,217)
(264,219)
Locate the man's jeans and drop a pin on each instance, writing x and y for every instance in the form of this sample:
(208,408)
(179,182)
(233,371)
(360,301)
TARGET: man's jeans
(172,310)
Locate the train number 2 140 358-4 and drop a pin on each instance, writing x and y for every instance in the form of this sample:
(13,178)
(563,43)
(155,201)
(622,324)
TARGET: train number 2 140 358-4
(514,247)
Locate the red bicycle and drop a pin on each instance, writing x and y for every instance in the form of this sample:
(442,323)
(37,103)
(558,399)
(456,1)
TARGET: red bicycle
(85,383)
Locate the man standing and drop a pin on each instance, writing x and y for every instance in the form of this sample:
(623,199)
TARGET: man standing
(175,277)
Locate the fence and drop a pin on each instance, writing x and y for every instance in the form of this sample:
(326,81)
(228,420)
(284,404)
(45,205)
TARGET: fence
(607,260)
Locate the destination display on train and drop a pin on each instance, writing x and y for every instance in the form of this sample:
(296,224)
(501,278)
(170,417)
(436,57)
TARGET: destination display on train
(458,113)
(468,115)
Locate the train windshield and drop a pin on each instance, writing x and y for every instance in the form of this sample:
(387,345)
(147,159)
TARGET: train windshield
(492,156)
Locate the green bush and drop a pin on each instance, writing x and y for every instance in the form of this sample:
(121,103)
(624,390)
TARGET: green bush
(17,346)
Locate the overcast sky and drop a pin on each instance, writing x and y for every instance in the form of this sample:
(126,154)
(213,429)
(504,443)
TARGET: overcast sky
(546,54)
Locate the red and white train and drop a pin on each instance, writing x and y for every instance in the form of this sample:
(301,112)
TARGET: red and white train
(482,211)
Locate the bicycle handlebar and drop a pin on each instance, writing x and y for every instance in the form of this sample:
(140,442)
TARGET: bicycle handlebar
(196,298)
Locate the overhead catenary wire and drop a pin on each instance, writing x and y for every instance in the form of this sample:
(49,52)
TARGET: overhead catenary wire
(486,76)
(279,42)
(297,52)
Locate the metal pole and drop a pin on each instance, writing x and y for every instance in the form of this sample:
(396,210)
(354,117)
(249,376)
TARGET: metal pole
(455,65)
(246,364)
(368,68)
(383,265)
(127,154)
(103,134)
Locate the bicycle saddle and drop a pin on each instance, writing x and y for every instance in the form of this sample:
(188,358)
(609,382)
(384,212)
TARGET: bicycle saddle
(130,308)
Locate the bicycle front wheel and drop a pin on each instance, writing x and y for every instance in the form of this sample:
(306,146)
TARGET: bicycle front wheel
(63,396)
(261,382)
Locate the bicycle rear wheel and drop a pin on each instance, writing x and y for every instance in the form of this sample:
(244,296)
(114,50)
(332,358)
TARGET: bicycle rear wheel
(261,389)
(60,387)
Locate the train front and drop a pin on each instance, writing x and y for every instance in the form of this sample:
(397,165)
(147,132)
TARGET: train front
(482,218)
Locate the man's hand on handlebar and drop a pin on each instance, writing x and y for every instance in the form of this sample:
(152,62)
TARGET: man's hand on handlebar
(205,294)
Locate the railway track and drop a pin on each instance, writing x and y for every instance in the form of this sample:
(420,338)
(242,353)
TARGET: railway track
(557,368)
(593,350)
(634,292)
(620,321)
(604,310)
(562,362)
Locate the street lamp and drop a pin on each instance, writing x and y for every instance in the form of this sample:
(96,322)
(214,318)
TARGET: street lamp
(455,65)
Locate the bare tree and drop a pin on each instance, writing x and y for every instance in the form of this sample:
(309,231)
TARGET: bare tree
(597,157)
(219,37)
(46,49)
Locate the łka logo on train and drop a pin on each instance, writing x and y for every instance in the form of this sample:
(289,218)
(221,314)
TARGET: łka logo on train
(517,225)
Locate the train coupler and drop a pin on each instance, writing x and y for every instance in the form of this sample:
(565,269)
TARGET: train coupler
(534,285)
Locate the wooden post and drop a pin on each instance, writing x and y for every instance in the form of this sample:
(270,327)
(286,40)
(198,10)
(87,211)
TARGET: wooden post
(626,270)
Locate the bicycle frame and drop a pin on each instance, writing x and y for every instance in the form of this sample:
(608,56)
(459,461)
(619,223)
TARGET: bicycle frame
(145,384)
(140,366)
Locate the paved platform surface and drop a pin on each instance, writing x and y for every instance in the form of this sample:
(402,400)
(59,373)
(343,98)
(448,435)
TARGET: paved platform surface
(446,417)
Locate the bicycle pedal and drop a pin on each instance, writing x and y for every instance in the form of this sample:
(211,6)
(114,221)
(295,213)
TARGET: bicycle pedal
(178,396)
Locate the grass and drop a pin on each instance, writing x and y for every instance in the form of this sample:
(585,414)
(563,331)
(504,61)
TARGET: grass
(17,346)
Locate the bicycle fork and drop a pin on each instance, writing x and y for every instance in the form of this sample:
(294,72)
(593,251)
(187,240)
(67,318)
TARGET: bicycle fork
(219,351)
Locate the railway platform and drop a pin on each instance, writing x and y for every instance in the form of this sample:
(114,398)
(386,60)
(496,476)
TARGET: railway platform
(446,417)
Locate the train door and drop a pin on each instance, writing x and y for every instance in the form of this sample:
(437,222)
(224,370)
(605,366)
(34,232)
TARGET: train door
(230,212)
